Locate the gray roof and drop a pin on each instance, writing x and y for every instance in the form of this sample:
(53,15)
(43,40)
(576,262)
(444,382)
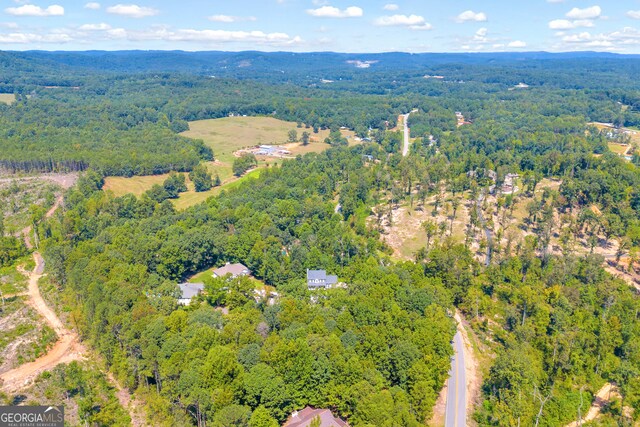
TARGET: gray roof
(320,279)
(190,290)
(234,269)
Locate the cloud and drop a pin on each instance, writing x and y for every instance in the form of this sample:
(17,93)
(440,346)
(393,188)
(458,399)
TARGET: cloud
(33,10)
(92,5)
(470,15)
(586,13)
(229,19)
(517,44)
(618,41)
(565,24)
(25,38)
(415,22)
(634,14)
(132,10)
(334,12)
(556,1)
(95,27)
(391,6)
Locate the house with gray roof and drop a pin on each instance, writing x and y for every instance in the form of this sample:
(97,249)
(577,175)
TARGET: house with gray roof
(188,291)
(308,415)
(318,279)
(235,270)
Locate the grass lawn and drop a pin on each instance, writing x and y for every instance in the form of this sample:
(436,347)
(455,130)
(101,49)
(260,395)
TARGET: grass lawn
(7,98)
(619,149)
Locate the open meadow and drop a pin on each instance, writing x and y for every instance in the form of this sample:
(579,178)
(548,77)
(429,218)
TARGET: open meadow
(225,137)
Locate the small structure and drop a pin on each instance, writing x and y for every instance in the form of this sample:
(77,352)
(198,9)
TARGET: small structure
(235,270)
(317,279)
(188,291)
(305,417)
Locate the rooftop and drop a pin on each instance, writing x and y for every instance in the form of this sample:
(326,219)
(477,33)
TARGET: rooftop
(308,414)
(234,269)
(190,290)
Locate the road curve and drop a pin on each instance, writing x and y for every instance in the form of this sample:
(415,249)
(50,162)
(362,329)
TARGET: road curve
(456,409)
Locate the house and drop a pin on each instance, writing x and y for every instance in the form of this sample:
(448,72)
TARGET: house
(188,291)
(305,417)
(235,270)
(319,279)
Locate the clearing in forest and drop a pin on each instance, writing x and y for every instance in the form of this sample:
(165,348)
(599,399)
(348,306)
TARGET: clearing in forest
(226,136)
(7,98)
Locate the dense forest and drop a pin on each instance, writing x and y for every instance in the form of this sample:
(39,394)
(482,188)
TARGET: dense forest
(376,349)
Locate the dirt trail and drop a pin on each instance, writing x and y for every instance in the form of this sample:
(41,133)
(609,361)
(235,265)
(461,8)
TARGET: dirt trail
(600,400)
(65,350)
(26,232)
(128,402)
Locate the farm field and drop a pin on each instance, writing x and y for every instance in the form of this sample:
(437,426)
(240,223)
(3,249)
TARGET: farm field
(226,136)
(7,98)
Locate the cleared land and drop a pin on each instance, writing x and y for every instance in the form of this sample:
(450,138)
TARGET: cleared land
(7,98)
(225,137)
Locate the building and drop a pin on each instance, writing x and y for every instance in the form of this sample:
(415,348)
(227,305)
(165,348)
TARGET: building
(188,291)
(235,270)
(305,417)
(319,279)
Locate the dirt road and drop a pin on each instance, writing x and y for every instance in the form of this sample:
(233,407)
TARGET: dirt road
(65,350)
(26,232)
(600,400)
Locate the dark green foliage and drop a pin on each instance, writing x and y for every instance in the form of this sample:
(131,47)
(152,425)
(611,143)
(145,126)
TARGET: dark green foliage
(243,163)
(201,178)
(11,248)
(174,185)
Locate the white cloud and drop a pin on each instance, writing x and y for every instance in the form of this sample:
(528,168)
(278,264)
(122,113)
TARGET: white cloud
(634,14)
(517,44)
(229,19)
(334,12)
(470,15)
(24,38)
(561,24)
(556,1)
(415,22)
(618,41)
(132,10)
(95,27)
(586,13)
(391,6)
(33,10)
(92,5)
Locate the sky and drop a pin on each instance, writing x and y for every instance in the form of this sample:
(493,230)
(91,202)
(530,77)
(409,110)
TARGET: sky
(357,26)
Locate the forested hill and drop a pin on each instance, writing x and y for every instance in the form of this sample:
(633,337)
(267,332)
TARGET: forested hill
(279,66)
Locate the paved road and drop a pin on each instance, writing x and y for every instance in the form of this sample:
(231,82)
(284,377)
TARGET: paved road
(456,410)
(405,147)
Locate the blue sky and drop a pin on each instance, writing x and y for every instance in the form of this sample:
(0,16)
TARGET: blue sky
(323,25)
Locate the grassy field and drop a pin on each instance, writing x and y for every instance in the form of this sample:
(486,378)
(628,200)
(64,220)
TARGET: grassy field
(226,136)
(619,149)
(7,98)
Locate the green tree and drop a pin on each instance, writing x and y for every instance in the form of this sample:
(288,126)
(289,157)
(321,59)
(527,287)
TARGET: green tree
(293,135)
(201,178)
(305,138)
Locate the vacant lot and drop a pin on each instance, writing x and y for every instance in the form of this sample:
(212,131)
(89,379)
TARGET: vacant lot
(7,98)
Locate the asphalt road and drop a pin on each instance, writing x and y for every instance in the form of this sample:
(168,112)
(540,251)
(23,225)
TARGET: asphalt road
(456,410)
